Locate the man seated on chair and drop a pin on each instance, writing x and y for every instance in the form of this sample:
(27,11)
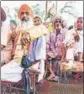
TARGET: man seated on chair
(54,47)
(73,43)
(13,71)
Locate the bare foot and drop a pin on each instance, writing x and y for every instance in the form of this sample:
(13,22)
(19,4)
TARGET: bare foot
(51,76)
(34,70)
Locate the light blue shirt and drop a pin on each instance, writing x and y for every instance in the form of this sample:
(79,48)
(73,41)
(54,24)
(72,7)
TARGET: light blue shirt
(38,49)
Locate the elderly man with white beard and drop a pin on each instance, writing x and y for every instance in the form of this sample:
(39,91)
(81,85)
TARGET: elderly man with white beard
(13,71)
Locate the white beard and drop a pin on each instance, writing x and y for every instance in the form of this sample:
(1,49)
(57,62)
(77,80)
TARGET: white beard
(27,24)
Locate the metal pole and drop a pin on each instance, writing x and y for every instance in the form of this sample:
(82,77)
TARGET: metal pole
(46,8)
(56,7)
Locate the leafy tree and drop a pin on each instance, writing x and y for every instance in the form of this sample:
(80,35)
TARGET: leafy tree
(69,8)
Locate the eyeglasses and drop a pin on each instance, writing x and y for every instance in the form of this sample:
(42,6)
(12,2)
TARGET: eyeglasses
(22,13)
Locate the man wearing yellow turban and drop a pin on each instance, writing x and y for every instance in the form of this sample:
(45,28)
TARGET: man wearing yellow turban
(25,9)
(12,71)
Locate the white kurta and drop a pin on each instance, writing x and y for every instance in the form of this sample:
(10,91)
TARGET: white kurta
(12,71)
(38,52)
(79,44)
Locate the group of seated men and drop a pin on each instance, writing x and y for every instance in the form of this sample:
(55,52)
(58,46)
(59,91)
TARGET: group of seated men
(32,37)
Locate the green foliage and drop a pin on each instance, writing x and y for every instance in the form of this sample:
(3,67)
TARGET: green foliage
(69,9)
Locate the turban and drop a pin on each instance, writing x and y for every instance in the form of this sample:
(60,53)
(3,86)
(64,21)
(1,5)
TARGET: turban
(25,8)
(3,15)
(14,22)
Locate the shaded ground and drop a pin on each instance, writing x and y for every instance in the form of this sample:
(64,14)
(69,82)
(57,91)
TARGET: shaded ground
(58,88)
(69,86)
(73,85)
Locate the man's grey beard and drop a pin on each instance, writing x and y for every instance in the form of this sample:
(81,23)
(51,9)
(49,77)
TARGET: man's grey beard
(27,23)
(24,24)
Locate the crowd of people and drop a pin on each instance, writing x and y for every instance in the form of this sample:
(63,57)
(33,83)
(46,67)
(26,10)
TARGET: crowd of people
(32,37)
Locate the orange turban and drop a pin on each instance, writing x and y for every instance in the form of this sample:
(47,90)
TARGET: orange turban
(25,8)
